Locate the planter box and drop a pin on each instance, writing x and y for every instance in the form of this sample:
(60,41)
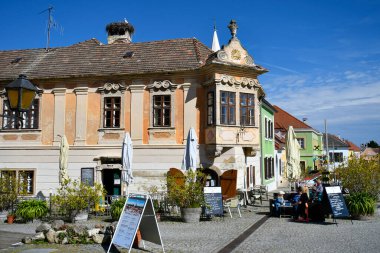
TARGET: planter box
(191,215)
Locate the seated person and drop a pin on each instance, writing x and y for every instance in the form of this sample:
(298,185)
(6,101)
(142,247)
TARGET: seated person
(278,202)
(295,202)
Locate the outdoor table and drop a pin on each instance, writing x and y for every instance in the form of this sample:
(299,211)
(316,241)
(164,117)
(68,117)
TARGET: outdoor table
(286,210)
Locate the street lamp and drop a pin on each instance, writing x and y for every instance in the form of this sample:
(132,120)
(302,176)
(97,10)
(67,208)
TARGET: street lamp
(20,93)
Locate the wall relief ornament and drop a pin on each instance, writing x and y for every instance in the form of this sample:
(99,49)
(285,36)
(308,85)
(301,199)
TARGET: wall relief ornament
(222,55)
(244,82)
(112,88)
(163,85)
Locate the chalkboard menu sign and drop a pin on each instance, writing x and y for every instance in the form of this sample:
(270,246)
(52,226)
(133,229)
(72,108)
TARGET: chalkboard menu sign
(87,176)
(336,200)
(214,202)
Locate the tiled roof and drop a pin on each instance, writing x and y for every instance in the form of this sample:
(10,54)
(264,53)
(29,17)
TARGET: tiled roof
(352,146)
(334,141)
(91,58)
(282,120)
(371,152)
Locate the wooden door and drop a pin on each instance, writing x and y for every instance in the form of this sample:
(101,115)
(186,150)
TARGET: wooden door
(178,175)
(228,183)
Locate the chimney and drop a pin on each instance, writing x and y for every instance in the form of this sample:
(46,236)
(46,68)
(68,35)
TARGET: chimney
(120,31)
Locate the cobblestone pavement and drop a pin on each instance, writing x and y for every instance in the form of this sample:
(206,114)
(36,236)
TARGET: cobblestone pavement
(275,235)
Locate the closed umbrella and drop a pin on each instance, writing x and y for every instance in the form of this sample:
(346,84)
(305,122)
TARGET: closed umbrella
(293,169)
(190,158)
(63,157)
(126,158)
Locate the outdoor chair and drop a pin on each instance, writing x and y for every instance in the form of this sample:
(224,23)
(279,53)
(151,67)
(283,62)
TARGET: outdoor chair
(258,192)
(232,203)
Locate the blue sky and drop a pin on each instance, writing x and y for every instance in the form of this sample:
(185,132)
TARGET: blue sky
(323,56)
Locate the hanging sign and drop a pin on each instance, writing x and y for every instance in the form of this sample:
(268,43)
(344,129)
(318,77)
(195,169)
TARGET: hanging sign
(138,213)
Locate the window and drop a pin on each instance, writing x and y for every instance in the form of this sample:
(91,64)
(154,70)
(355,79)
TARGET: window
(338,157)
(268,167)
(112,107)
(25,120)
(303,166)
(25,179)
(87,176)
(161,110)
(227,108)
(247,109)
(210,108)
(301,141)
(268,128)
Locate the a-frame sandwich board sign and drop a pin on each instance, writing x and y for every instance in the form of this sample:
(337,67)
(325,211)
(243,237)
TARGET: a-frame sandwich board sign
(137,213)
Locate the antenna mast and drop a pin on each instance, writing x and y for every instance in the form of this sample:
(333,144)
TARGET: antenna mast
(50,24)
(49,27)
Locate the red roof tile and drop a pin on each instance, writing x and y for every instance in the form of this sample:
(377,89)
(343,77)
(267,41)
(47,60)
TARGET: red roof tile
(352,146)
(282,120)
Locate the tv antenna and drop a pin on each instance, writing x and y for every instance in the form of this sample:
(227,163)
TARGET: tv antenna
(50,24)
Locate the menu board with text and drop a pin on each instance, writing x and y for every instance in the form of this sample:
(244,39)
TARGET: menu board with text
(214,200)
(336,200)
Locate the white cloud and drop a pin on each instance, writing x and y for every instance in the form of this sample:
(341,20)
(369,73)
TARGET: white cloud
(349,99)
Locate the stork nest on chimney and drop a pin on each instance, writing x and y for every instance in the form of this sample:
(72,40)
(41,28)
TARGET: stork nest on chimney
(119,28)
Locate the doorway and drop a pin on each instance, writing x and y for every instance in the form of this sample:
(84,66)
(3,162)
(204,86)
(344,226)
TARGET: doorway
(111,181)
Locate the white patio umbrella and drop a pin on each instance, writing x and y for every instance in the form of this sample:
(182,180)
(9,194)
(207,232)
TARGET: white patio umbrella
(190,158)
(293,169)
(63,157)
(126,158)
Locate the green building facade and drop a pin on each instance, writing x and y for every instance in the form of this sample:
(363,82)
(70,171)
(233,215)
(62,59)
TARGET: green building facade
(311,149)
(267,142)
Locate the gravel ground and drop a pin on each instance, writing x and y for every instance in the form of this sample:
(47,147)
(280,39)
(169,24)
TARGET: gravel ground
(275,235)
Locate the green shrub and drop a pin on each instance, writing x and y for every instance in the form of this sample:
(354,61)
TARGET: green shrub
(116,208)
(187,191)
(75,196)
(361,204)
(32,209)
(361,175)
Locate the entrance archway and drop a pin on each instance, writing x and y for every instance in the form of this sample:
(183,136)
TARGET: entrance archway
(212,178)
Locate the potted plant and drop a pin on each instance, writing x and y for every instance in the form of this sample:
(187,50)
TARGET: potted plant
(74,199)
(32,209)
(187,193)
(11,217)
(9,189)
(361,204)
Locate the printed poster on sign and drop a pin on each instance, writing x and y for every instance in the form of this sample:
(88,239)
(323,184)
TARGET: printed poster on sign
(129,222)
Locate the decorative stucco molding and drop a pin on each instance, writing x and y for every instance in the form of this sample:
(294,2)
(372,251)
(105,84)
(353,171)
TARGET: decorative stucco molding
(162,85)
(230,80)
(112,88)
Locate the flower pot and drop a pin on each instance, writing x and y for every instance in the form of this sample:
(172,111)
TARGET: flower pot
(191,215)
(10,219)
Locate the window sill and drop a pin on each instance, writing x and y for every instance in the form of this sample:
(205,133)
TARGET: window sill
(162,135)
(110,135)
(24,130)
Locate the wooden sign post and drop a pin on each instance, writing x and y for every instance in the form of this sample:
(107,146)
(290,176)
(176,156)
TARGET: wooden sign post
(138,213)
